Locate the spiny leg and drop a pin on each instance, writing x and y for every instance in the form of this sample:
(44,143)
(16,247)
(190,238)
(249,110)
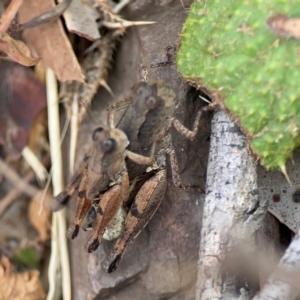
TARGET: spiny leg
(110,203)
(189,134)
(62,199)
(82,206)
(145,205)
(174,166)
(108,206)
(175,171)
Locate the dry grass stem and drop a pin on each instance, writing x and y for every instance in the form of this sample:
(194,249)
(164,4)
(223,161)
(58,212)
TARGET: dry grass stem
(35,164)
(124,23)
(74,132)
(59,267)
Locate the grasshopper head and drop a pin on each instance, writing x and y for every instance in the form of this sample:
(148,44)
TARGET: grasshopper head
(109,140)
(146,97)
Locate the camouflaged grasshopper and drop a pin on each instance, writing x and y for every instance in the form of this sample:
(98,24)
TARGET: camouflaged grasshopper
(153,183)
(102,175)
(147,120)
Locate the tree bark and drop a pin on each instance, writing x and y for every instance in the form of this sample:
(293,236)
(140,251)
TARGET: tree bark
(232,213)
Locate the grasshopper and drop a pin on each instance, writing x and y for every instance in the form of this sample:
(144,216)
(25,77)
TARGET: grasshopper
(146,121)
(147,199)
(102,175)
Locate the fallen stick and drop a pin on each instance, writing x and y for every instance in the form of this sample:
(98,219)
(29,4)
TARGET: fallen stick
(232,213)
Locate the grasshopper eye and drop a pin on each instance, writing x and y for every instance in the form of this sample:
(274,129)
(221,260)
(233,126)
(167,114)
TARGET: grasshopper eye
(108,145)
(150,102)
(96,133)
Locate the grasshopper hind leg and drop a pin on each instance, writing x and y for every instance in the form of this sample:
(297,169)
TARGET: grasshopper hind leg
(142,210)
(62,199)
(82,207)
(108,207)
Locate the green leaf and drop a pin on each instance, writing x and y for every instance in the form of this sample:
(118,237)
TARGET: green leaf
(226,45)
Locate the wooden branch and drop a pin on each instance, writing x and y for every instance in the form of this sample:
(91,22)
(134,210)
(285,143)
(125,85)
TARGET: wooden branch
(232,213)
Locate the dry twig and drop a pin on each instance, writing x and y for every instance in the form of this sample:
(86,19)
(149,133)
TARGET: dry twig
(9,15)
(232,211)
(59,260)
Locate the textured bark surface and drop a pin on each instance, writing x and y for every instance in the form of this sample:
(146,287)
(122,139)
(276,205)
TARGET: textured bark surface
(232,213)
(162,261)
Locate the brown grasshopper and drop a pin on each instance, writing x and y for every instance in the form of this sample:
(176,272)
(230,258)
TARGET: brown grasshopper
(146,120)
(103,175)
(155,128)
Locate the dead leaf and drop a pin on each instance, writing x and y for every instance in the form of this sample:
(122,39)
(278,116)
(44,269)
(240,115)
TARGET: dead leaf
(47,16)
(17,51)
(50,41)
(19,286)
(22,97)
(40,220)
(81,18)
(284,26)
